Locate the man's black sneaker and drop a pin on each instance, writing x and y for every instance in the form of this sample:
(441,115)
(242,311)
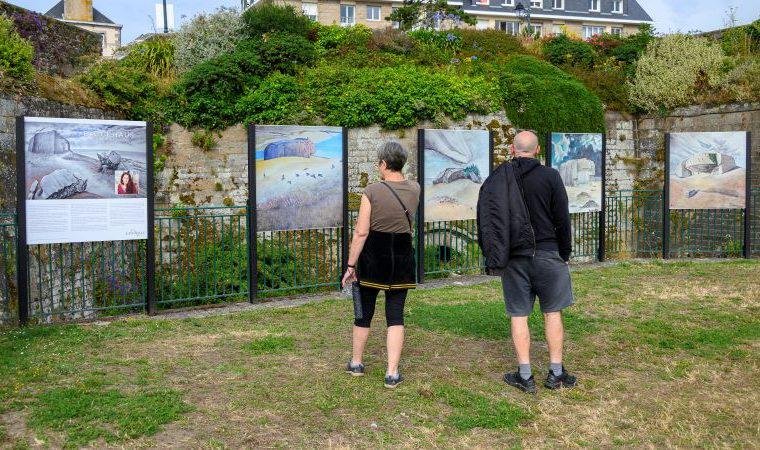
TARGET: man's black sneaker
(514,379)
(392,381)
(356,370)
(564,380)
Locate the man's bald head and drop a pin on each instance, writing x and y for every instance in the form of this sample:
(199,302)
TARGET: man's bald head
(525,144)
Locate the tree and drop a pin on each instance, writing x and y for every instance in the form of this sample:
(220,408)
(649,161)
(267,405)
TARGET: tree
(437,14)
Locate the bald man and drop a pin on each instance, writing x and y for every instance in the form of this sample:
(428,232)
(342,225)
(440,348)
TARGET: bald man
(542,271)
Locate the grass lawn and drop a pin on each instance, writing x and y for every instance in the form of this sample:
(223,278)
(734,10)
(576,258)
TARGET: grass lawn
(666,354)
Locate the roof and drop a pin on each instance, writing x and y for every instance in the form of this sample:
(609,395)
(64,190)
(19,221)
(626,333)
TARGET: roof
(56,12)
(575,9)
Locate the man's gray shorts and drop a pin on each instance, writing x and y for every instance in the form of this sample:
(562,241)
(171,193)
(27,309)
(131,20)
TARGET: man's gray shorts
(545,275)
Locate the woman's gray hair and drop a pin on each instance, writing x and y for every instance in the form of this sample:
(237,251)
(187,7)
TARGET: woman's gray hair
(394,155)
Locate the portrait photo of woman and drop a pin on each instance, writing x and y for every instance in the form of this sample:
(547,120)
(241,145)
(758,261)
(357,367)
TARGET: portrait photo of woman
(126,183)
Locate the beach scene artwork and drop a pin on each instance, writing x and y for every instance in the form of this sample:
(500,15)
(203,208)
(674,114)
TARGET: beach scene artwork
(299,177)
(578,157)
(456,162)
(708,170)
(78,158)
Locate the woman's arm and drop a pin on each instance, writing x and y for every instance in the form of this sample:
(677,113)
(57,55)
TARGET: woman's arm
(361,231)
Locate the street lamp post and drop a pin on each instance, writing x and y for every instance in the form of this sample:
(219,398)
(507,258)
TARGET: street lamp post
(523,13)
(166,19)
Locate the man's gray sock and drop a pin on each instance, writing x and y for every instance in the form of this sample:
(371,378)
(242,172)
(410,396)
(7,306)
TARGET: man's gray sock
(556,368)
(525,371)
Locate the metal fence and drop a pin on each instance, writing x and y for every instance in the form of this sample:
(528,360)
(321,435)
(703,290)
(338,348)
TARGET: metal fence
(202,256)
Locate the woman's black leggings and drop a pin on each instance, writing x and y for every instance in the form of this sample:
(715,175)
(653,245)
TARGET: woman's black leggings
(394,306)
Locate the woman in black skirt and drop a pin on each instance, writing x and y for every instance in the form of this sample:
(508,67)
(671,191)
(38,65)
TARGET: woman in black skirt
(381,257)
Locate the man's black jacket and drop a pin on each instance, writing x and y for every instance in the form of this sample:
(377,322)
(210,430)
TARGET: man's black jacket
(522,207)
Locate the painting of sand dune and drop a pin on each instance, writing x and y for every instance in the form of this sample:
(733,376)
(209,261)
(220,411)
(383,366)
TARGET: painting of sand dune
(456,162)
(708,170)
(579,159)
(299,177)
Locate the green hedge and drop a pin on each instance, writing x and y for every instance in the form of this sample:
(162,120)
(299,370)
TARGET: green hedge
(394,97)
(541,97)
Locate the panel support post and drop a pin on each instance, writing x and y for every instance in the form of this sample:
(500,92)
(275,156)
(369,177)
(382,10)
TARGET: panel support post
(421,208)
(150,244)
(666,202)
(22,251)
(253,282)
(345,238)
(603,212)
(748,199)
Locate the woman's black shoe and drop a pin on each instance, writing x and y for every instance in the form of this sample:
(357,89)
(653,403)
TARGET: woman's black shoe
(514,379)
(564,380)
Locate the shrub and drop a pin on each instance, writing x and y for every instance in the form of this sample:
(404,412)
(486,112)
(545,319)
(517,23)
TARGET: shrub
(211,89)
(125,89)
(488,44)
(667,73)
(561,50)
(632,47)
(267,17)
(282,51)
(16,53)
(155,56)
(342,39)
(394,97)
(605,43)
(541,97)
(276,101)
(742,82)
(59,48)
(392,41)
(204,140)
(207,36)
(608,81)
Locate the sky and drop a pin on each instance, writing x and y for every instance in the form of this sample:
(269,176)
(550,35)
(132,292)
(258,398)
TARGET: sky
(669,15)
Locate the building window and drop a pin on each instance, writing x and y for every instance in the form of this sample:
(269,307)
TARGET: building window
(594,6)
(617,31)
(558,4)
(537,4)
(347,15)
(558,29)
(589,31)
(537,30)
(483,2)
(512,28)
(309,10)
(395,25)
(373,13)
(508,3)
(482,24)
(617,6)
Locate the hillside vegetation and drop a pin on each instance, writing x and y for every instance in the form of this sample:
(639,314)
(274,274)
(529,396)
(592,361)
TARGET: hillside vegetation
(273,65)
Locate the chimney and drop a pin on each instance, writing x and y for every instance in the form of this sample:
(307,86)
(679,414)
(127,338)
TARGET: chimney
(79,10)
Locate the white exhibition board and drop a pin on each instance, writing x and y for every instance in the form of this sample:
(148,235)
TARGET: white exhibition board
(85,180)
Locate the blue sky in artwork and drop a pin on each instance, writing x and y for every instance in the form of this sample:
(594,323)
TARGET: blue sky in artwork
(669,16)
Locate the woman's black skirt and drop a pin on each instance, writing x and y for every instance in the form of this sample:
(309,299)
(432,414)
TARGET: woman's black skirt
(387,261)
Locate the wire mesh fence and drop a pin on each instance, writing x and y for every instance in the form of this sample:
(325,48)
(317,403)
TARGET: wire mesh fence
(202,256)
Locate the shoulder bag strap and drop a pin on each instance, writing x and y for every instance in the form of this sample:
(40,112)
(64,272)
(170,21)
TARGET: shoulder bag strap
(406,211)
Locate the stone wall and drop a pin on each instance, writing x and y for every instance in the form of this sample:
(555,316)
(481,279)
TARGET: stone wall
(636,146)
(218,176)
(10,108)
